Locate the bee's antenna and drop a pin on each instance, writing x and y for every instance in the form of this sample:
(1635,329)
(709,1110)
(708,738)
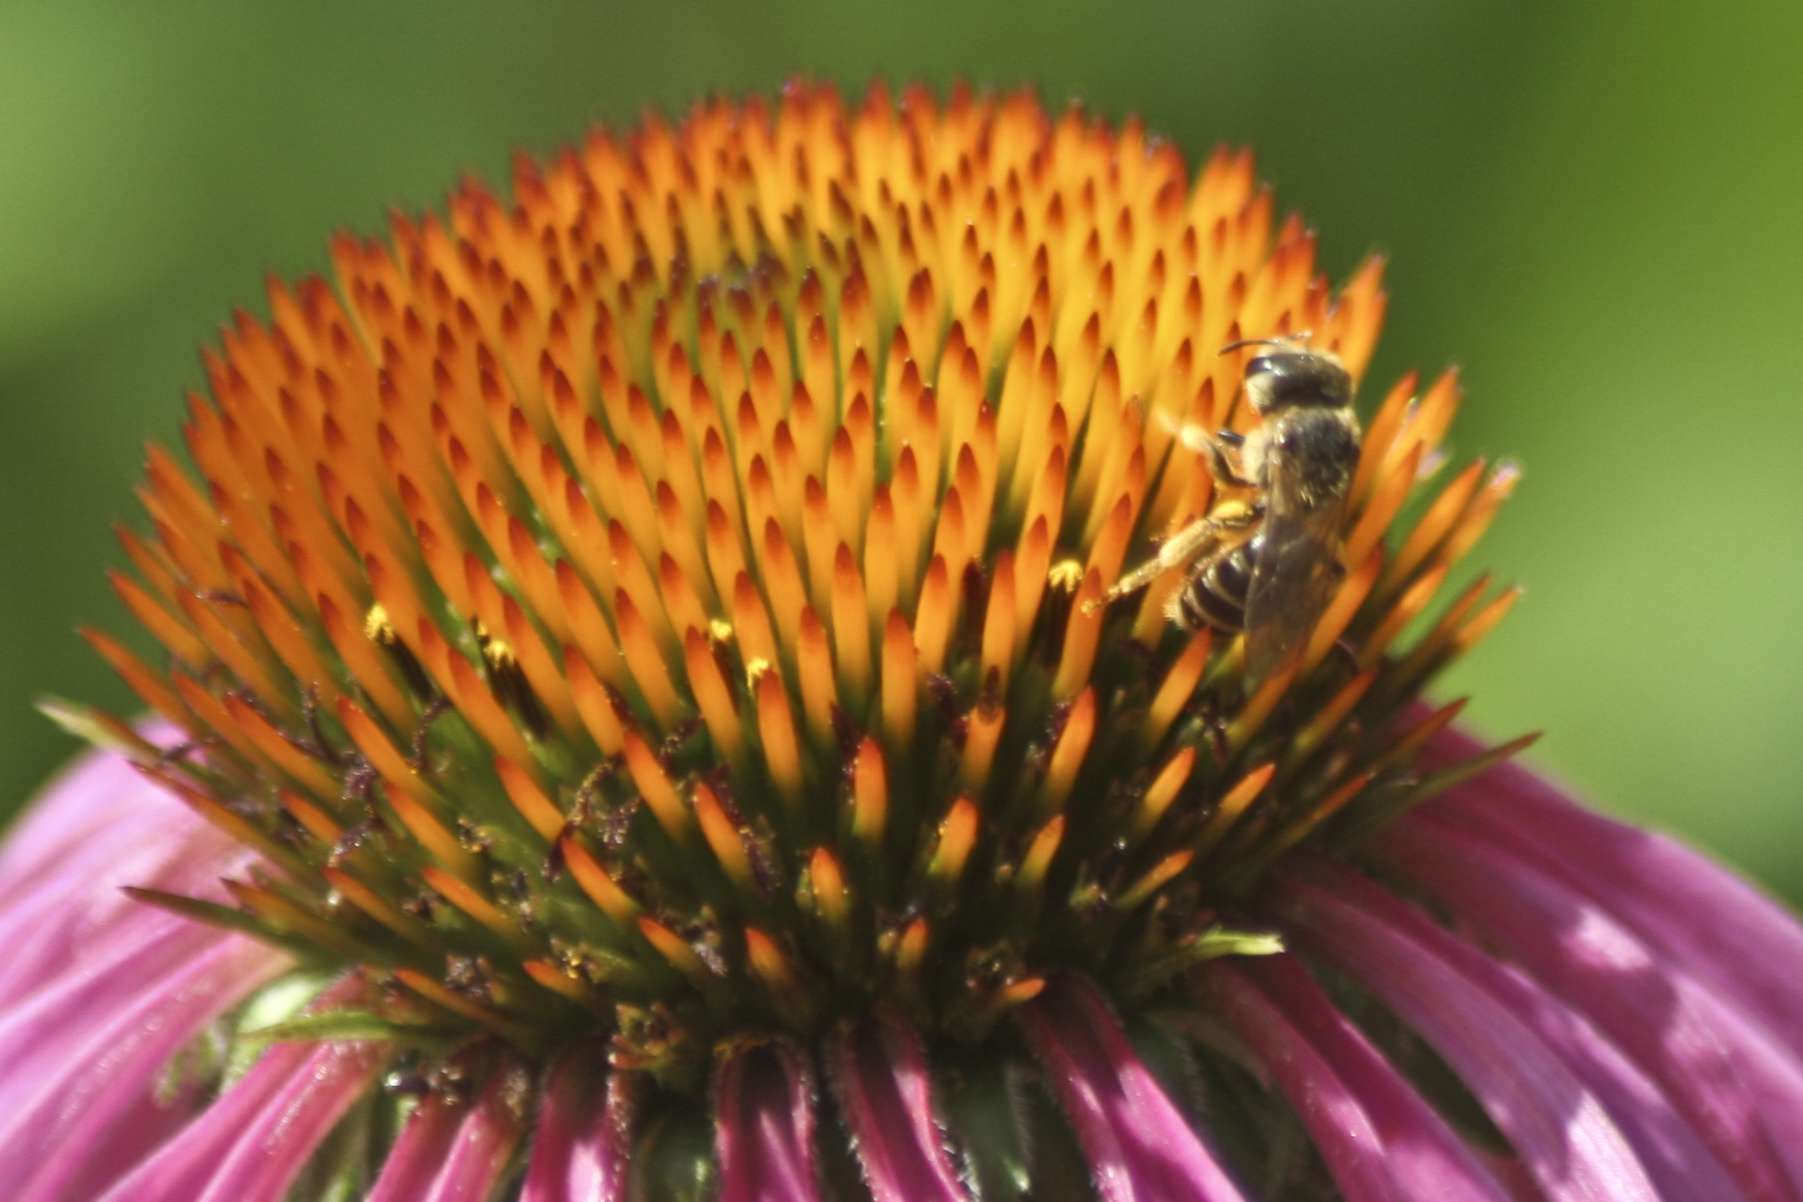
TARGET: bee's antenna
(1299,337)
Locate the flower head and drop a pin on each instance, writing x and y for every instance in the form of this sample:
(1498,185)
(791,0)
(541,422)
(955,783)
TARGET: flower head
(648,662)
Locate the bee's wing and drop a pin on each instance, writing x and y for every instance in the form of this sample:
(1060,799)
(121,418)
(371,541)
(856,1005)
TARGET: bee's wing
(1293,576)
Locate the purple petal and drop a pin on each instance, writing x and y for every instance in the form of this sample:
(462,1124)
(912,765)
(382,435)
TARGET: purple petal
(1138,1143)
(101,1112)
(880,1077)
(418,1153)
(485,1141)
(274,1145)
(60,903)
(80,804)
(579,1151)
(1557,1123)
(39,1036)
(764,1127)
(1724,929)
(1657,1012)
(1335,1120)
(1427,1159)
(181,1168)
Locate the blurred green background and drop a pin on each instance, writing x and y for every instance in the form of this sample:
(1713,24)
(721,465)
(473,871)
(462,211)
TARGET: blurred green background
(1593,207)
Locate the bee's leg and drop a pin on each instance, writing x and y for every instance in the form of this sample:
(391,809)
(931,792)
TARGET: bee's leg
(1175,551)
(1223,451)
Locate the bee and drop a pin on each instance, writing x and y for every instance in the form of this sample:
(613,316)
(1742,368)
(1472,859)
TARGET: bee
(1267,565)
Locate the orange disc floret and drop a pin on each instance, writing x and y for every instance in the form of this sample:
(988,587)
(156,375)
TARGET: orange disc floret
(680,590)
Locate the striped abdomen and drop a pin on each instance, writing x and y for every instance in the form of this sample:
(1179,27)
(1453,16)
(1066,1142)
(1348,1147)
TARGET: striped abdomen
(1215,593)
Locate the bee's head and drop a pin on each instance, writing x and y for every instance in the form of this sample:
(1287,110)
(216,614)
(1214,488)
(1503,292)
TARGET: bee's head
(1292,377)
(1316,448)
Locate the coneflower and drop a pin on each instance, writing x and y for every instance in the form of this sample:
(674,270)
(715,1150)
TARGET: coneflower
(641,714)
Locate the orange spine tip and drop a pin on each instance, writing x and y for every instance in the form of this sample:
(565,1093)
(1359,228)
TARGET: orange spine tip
(645,661)
(588,628)
(1478,515)
(1402,611)
(1082,634)
(851,624)
(654,786)
(776,729)
(782,578)
(1178,685)
(1163,790)
(869,794)
(1329,716)
(1233,804)
(911,947)
(712,695)
(1040,851)
(1433,526)
(1341,609)
(996,654)
(163,626)
(881,576)
(814,665)
(675,950)
(474,701)
(1485,620)
(724,839)
(373,904)
(463,1007)
(1382,508)
(429,832)
(1067,755)
(593,704)
(548,976)
(142,681)
(314,820)
(933,616)
(539,811)
(771,967)
(982,732)
(275,747)
(1160,875)
(1330,805)
(598,884)
(1264,699)
(826,883)
(899,673)
(464,896)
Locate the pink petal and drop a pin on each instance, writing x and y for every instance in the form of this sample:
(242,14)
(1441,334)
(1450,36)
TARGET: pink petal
(764,1127)
(584,1133)
(82,803)
(1652,1008)
(39,1035)
(880,1077)
(181,1168)
(418,1153)
(452,1152)
(1727,932)
(1341,1130)
(1138,1143)
(1428,1159)
(99,826)
(1559,1126)
(275,1144)
(251,1142)
(101,1111)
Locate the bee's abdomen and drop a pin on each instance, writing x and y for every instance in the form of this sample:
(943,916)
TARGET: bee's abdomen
(1215,595)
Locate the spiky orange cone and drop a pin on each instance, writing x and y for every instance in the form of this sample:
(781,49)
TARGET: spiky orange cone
(644,655)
